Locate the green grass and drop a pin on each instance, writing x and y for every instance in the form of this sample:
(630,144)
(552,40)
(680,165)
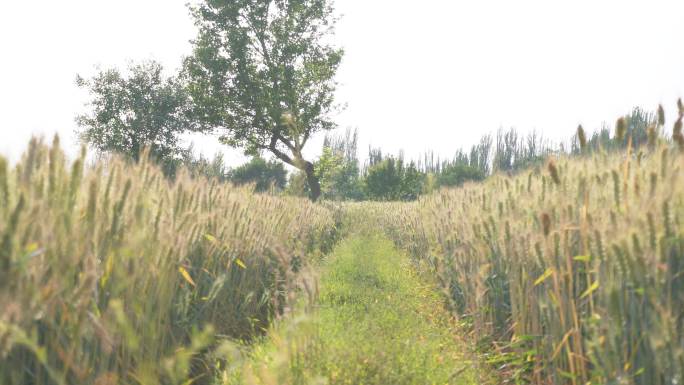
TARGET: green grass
(376,322)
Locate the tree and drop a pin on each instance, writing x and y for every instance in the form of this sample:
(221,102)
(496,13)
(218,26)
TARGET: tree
(338,167)
(458,173)
(412,182)
(265,174)
(391,179)
(296,185)
(262,73)
(328,168)
(383,180)
(129,113)
(201,166)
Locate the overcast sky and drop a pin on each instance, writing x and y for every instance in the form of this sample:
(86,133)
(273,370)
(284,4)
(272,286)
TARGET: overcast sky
(435,74)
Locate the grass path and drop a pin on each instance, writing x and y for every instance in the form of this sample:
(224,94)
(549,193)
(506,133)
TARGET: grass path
(376,322)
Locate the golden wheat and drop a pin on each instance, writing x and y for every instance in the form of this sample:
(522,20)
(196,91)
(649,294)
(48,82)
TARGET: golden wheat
(110,273)
(574,282)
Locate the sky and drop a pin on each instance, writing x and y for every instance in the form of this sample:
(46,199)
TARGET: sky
(416,76)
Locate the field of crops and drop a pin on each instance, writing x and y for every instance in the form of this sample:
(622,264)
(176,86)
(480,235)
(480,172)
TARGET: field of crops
(111,274)
(573,273)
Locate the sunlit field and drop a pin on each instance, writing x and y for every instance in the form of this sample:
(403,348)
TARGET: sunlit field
(320,192)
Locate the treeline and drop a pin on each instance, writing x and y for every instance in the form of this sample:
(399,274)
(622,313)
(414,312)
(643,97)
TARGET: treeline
(264,91)
(342,175)
(387,177)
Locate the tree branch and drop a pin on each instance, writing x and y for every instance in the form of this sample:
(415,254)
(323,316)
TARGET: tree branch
(286,142)
(273,147)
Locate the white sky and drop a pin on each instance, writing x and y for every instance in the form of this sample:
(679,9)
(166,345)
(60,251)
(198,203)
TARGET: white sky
(435,74)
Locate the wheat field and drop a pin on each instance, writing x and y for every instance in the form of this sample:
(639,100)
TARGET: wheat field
(572,273)
(110,273)
(568,273)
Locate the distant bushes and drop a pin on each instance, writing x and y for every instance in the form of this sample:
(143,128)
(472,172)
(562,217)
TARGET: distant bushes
(392,177)
(457,174)
(263,174)
(341,175)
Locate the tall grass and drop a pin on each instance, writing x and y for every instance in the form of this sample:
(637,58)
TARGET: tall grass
(573,272)
(112,274)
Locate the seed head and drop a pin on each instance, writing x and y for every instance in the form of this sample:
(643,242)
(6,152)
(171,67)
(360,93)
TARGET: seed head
(652,136)
(661,115)
(546,224)
(620,129)
(582,138)
(553,170)
(677,135)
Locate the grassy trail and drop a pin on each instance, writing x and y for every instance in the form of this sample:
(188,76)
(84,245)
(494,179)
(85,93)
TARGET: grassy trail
(376,322)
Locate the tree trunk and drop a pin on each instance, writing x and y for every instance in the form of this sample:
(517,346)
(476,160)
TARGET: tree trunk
(312,181)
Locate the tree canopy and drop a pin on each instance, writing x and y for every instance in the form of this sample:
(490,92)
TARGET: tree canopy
(136,110)
(264,174)
(262,75)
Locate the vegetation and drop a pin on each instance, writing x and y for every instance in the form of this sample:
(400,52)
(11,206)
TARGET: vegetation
(567,273)
(390,179)
(262,73)
(522,261)
(338,167)
(570,272)
(134,111)
(112,274)
(377,322)
(265,175)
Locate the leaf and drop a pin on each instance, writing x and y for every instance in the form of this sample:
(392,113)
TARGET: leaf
(109,267)
(591,289)
(567,375)
(583,258)
(543,277)
(186,275)
(210,238)
(239,262)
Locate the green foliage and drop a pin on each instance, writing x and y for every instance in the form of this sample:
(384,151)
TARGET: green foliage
(328,168)
(457,174)
(636,133)
(377,322)
(513,152)
(391,179)
(134,111)
(262,73)
(264,174)
(200,166)
(338,168)
(297,185)
(411,182)
(383,180)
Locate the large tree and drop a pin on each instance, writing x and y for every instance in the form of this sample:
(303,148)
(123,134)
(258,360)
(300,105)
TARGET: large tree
(262,75)
(131,111)
(264,174)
